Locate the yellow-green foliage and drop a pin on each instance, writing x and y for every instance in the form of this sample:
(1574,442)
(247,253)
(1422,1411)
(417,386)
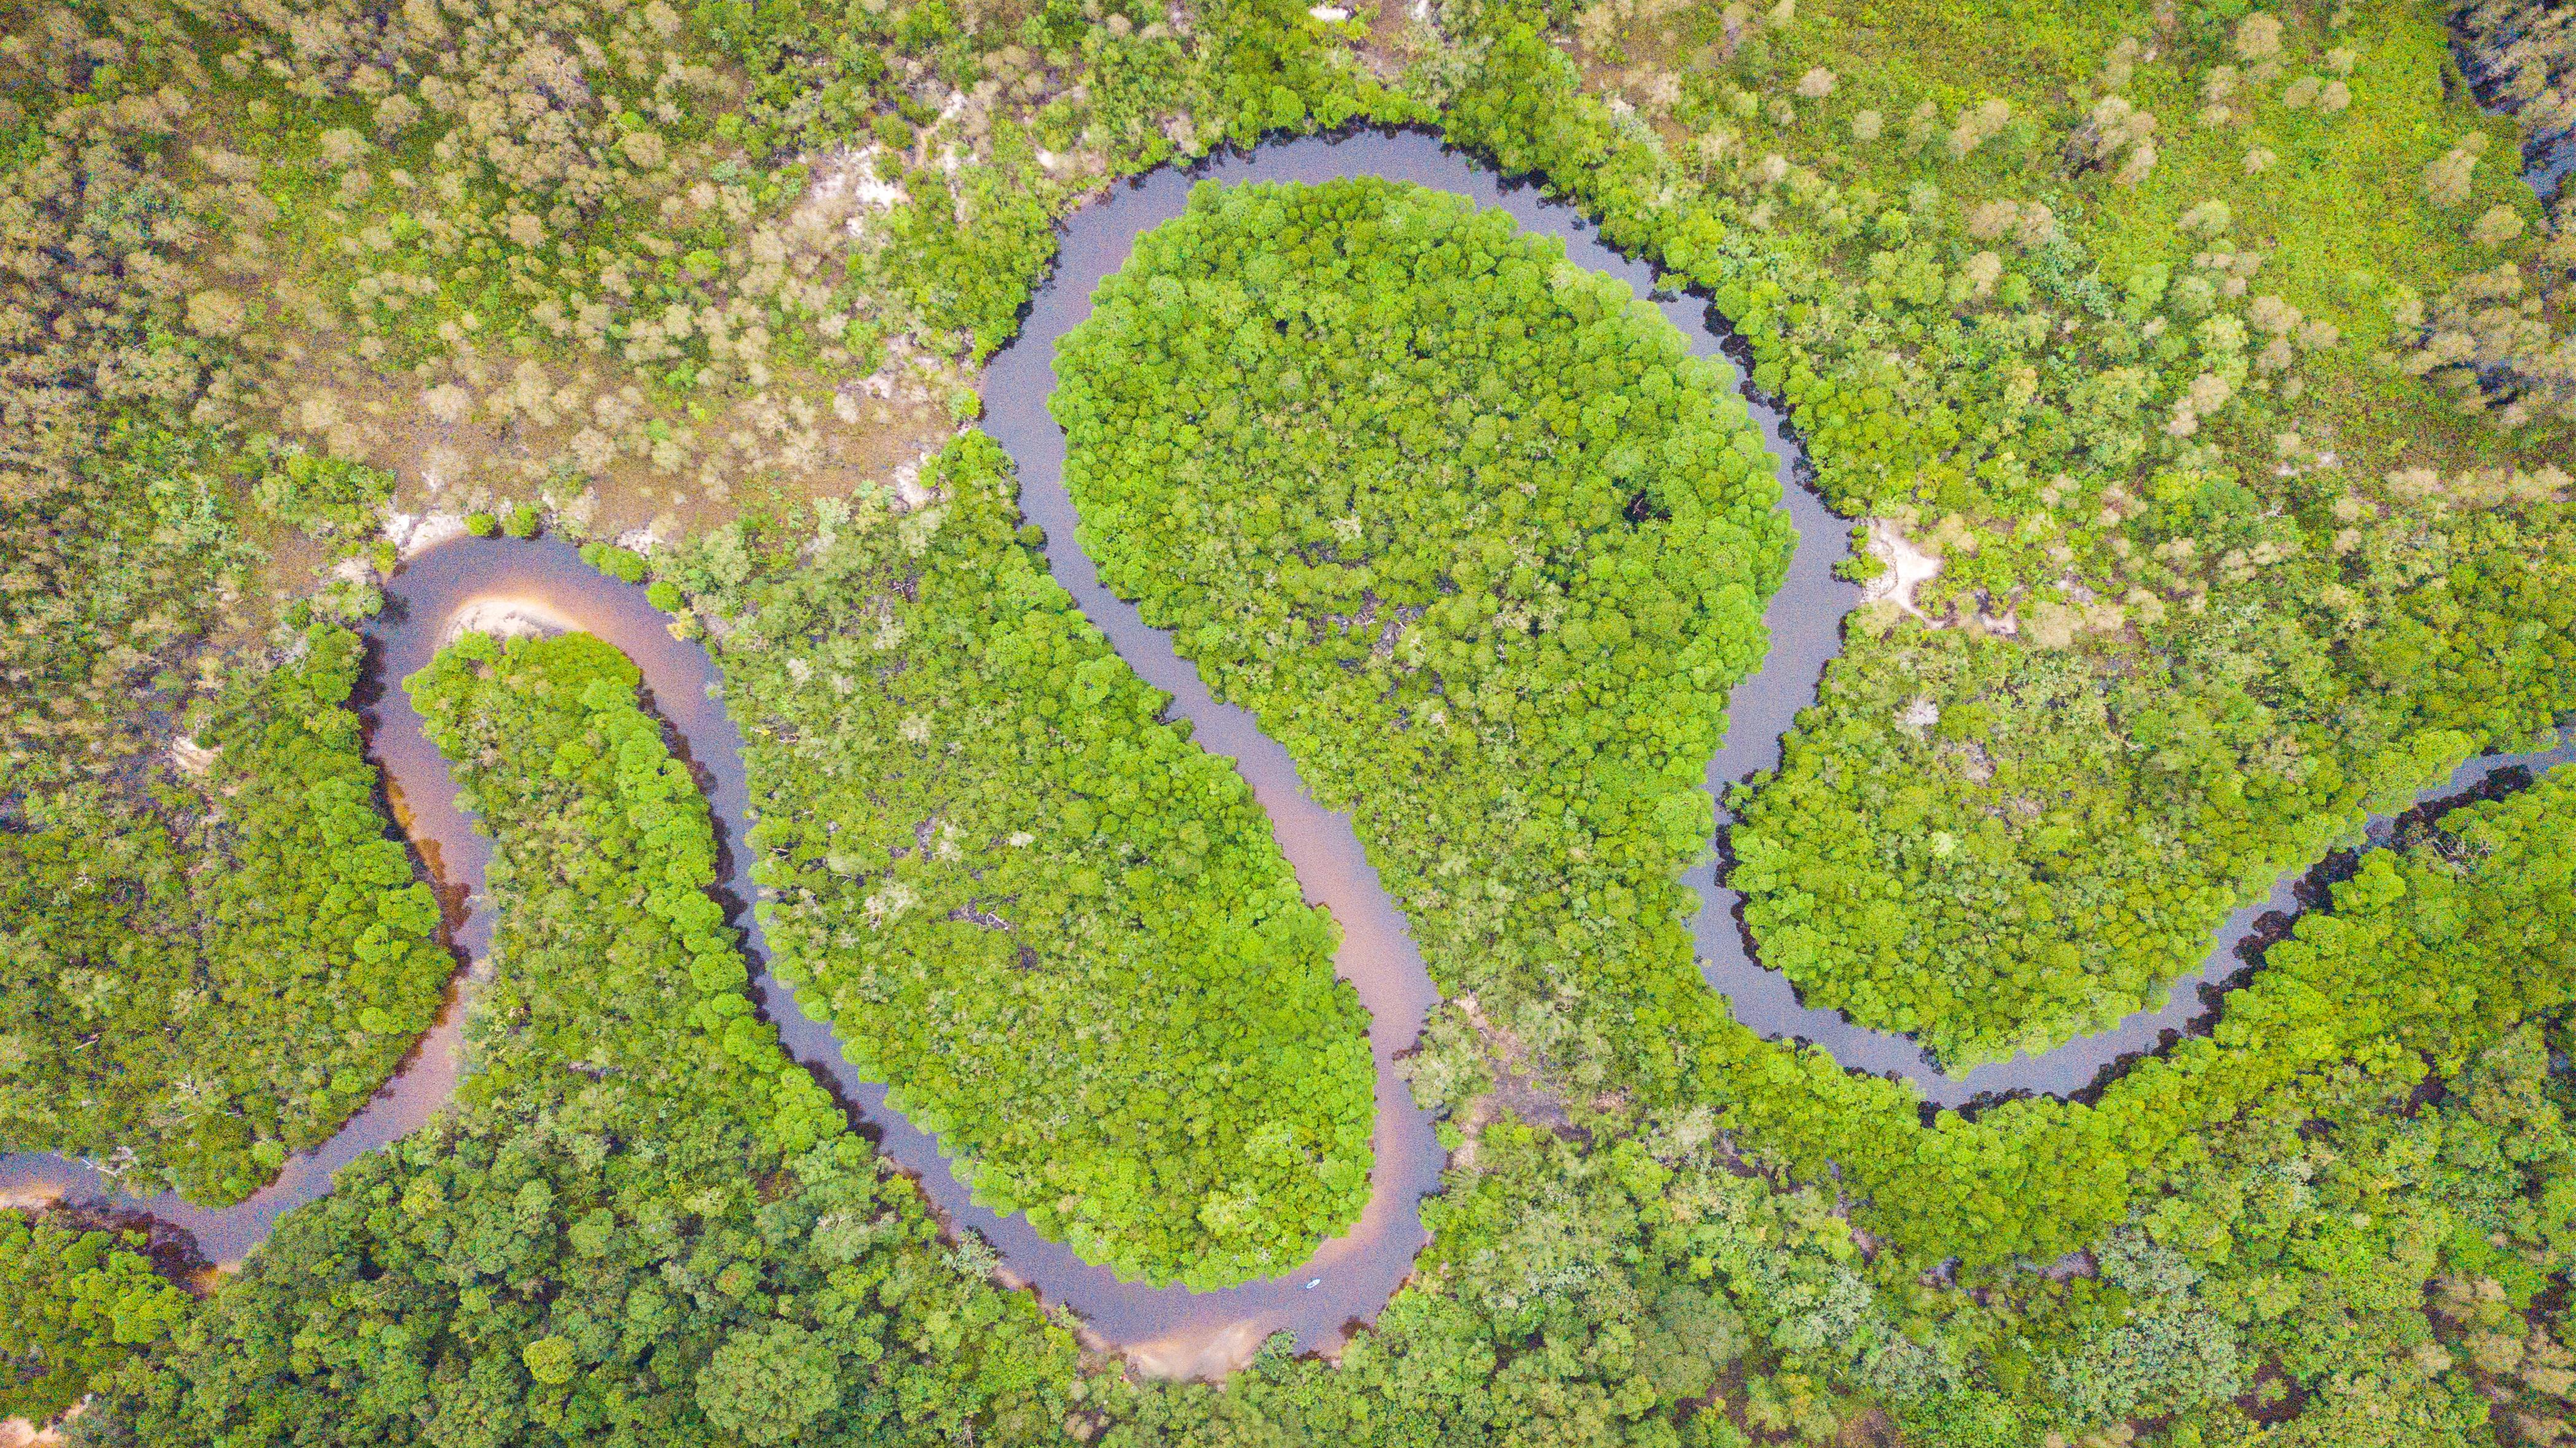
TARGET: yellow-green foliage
(640,1220)
(206,1000)
(1472,534)
(2223,572)
(79,1302)
(1060,932)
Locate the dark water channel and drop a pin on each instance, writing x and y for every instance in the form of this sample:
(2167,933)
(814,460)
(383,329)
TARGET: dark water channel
(1349,1277)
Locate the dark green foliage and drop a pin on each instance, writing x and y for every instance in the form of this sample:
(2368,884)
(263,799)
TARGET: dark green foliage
(2062,848)
(1558,1303)
(1061,933)
(623,564)
(2279,665)
(2429,955)
(2380,1254)
(1998,846)
(1589,1295)
(640,1222)
(78,1302)
(769,1384)
(567,707)
(1474,537)
(211,985)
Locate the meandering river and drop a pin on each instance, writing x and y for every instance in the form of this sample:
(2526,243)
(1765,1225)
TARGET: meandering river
(1350,1277)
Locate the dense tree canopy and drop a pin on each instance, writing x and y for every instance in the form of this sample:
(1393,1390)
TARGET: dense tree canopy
(1061,932)
(2200,370)
(80,1300)
(640,1221)
(201,987)
(1471,533)
(2220,565)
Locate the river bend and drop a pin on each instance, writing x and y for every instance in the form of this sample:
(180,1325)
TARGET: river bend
(1350,1277)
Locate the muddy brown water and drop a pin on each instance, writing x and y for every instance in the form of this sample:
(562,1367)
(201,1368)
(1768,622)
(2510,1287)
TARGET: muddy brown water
(1351,1276)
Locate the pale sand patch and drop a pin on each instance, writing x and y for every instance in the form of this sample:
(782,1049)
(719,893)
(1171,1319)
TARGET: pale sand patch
(845,189)
(413,534)
(190,756)
(1908,567)
(506,618)
(1206,1357)
(910,491)
(19,1433)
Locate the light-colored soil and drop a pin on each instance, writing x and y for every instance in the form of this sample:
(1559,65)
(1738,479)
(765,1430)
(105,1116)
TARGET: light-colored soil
(1909,567)
(1204,1356)
(19,1433)
(190,758)
(413,534)
(507,618)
